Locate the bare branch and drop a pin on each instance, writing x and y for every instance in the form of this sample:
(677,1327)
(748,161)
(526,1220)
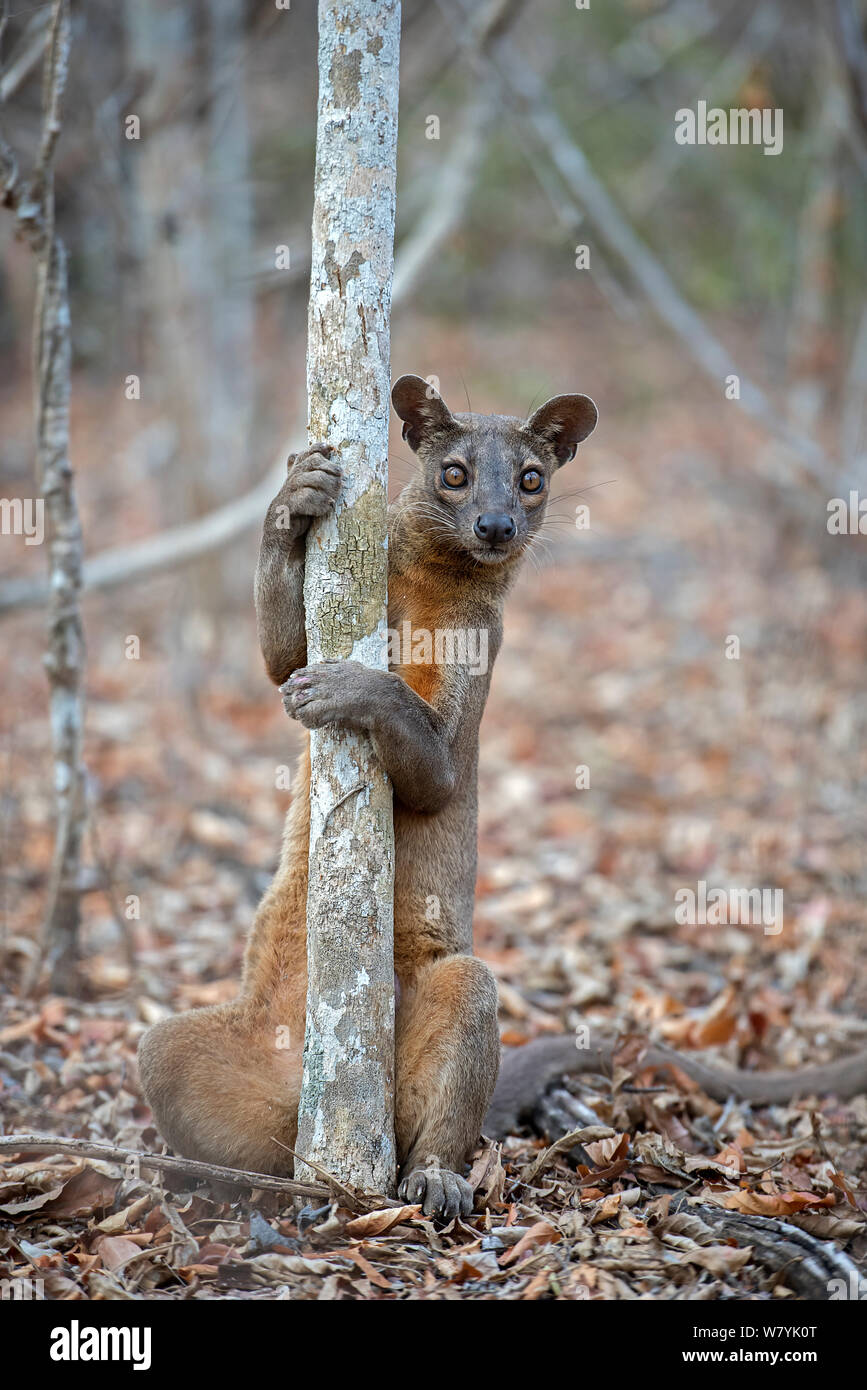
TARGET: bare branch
(180,545)
(33,44)
(449,199)
(523,93)
(852,45)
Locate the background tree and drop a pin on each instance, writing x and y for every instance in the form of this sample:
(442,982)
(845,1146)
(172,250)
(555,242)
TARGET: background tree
(32,202)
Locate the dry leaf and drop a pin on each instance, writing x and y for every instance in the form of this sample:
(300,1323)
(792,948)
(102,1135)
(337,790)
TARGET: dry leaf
(607,1150)
(119,1220)
(720,1260)
(380,1222)
(86,1192)
(32,1203)
(608,1207)
(543,1233)
(563,1145)
(114,1251)
(774,1203)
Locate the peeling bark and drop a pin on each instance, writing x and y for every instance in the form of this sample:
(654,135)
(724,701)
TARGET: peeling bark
(346,1112)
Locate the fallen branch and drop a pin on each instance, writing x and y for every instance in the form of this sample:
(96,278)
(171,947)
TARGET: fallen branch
(349,1195)
(170,1163)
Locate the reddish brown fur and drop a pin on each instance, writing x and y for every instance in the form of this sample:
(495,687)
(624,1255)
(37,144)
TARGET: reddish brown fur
(222,1085)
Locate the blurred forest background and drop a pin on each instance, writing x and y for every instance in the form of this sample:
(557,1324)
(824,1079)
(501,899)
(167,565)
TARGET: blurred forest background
(188,262)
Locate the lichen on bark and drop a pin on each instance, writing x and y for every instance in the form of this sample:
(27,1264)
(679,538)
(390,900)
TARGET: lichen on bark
(346,1111)
(352,609)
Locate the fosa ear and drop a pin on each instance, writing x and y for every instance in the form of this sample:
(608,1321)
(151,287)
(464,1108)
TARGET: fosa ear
(421,408)
(563,422)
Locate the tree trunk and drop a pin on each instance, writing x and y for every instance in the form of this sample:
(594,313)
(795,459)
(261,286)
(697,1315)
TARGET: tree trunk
(33,205)
(230,242)
(346,1112)
(169,214)
(194,227)
(64,659)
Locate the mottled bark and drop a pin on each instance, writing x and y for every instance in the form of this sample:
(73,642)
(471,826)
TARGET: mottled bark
(346,1113)
(64,659)
(33,206)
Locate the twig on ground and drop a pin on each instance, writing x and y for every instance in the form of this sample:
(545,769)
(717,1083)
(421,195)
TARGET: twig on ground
(351,1194)
(167,1163)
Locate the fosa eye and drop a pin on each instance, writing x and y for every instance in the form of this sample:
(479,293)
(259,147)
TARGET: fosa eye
(454,475)
(532,480)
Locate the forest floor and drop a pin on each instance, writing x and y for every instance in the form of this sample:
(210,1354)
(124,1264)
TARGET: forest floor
(741,770)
